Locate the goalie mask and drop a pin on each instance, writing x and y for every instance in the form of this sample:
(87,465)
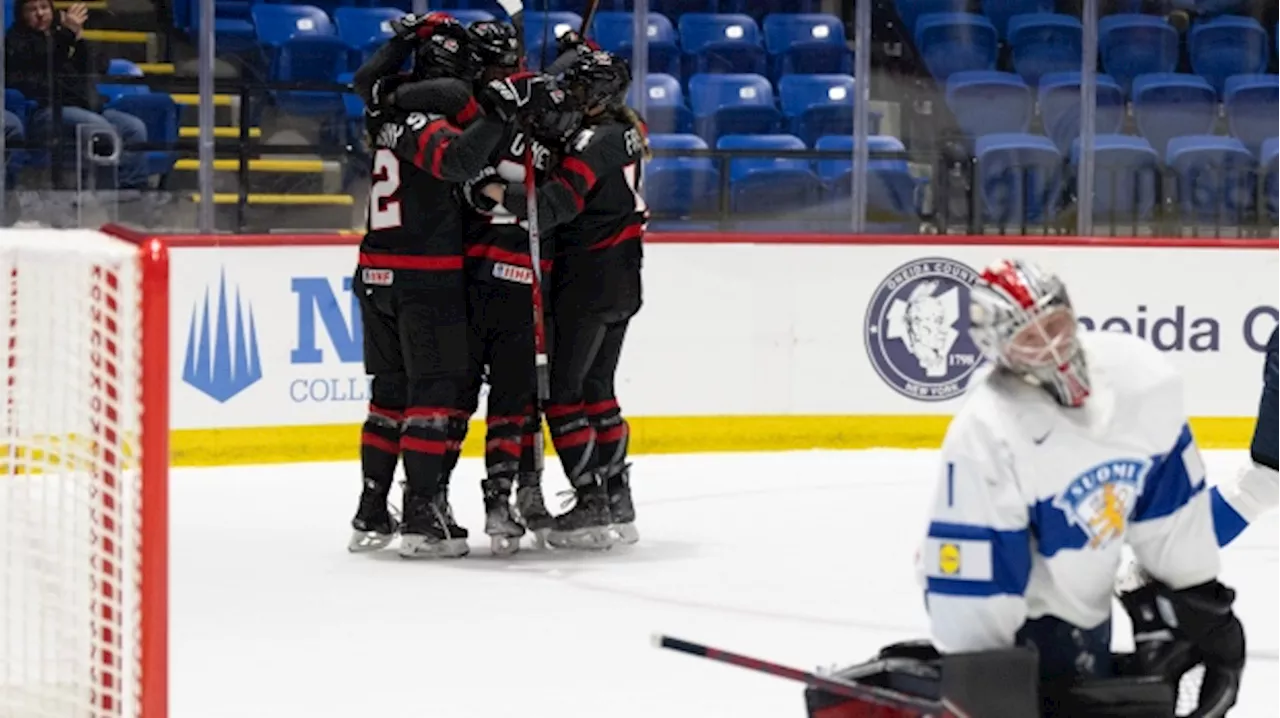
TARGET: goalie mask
(1021,319)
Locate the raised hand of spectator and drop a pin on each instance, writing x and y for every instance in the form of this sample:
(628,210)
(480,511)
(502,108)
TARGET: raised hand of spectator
(74,17)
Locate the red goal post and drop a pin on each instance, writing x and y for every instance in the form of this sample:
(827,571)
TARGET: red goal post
(84,491)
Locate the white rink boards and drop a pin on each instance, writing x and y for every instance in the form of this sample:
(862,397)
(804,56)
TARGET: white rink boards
(803,558)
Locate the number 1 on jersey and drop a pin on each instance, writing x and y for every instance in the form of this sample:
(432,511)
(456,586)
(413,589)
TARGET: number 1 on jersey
(384,209)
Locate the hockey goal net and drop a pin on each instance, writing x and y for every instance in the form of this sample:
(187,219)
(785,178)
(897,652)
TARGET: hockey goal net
(83,492)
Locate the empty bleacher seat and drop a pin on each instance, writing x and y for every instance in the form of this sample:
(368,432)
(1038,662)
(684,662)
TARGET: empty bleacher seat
(120,68)
(806,44)
(955,42)
(891,190)
(1019,178)
(1271,177)
(160,114)
(277,24)
(986,102)
(681,186)
(1126,177)
(1059,102)
(364,29)
(817,105)
(732,104)
(301,46)
(772,185)
(1001,12)
(665,110)
(1253,105)
(726,43)
(468,16)
(911,10)
(1132,45)
(764,8)
(1227,45)
(1045,43)
(1167,104)
(1216,179)
(541,30)
(615,31)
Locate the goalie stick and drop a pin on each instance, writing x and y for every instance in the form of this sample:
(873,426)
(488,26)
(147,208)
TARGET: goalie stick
(830,684)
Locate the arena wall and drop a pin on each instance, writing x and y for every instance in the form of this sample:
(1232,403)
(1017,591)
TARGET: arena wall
(745,342)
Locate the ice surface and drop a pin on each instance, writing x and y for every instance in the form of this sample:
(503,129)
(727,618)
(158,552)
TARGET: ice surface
(803,558)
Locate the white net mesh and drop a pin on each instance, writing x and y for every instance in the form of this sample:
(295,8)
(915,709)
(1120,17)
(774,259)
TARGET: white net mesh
(69,492)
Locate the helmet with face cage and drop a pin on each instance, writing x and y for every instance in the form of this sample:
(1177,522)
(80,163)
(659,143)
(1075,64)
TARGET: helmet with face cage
(446,51)
(1021,318)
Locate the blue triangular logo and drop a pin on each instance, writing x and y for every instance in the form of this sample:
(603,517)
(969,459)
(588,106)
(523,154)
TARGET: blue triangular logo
(222,356)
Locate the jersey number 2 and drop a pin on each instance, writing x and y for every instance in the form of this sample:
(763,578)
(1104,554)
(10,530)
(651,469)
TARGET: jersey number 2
(384,209)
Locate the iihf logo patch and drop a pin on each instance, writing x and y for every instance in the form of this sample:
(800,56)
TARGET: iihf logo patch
(917,329)
(1100,500)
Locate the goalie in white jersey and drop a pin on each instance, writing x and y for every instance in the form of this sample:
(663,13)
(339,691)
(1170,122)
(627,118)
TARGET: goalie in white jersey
(1071,446)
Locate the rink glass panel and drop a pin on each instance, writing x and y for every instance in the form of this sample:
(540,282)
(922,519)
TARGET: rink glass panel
(962,117)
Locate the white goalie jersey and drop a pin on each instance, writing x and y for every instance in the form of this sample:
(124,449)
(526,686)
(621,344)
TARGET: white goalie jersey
(1034,500)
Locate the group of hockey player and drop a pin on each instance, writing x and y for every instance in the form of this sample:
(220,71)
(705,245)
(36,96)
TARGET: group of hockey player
(504,241)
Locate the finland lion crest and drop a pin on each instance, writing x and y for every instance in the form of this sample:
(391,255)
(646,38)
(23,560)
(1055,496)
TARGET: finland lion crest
(917,329)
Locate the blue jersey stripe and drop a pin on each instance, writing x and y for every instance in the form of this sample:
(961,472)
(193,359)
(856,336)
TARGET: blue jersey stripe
(1052,530)
(1168,486)
(1010,561)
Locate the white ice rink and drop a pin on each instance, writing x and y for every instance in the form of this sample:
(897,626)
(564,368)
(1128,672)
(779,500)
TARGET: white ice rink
(803,558)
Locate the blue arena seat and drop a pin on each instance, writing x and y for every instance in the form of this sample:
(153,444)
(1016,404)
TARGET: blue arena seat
(681,186)
(721,43)
(1045,43)
(911,10)
(1167,104)
(1227,45)
(1059,102)
(277,24)
(891,190)
(1019,178)
(119,68)
(733,104)
(1217,177)
(1132,45)
(364,29)
(955,42)
(615,31)
(1271,175)
(665,109)
(1001,12)
(160,114)
(986,102)
(773,185)
(806,45)
(1126,177)
(310,58)
(468,16)
(764,8)
(817,105)
(1253,105)
(542,29)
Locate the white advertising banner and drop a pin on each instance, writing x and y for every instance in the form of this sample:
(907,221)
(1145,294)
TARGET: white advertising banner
(270,335)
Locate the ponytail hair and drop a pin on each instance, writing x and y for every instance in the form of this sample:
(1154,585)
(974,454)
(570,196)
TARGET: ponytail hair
(629,116)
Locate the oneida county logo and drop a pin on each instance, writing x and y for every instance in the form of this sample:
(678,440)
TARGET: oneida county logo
(222,358)
(917,329)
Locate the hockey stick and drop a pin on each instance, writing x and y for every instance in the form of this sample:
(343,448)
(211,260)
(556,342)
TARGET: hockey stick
(587,16)
(515,11)
(836,686)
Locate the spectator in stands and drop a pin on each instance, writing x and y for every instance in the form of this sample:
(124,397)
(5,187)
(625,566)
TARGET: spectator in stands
(47,60)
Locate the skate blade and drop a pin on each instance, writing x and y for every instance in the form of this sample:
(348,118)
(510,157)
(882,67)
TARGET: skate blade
(593,539)
(625,534)
(417,547)
(366,541)
(504,545)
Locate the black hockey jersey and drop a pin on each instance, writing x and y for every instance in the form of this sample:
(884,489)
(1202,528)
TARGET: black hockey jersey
(415,222)
(498,241)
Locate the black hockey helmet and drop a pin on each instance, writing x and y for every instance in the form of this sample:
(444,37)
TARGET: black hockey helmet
(597,80)
(496,48)
(556,122)
(446,52)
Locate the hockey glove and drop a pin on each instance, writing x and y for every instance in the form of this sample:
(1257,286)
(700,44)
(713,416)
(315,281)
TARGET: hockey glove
(1176,630)
(417,27)
(571,40)
(475,190)
(516,96)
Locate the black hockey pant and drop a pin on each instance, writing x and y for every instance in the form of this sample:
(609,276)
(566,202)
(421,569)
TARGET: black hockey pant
(586,422)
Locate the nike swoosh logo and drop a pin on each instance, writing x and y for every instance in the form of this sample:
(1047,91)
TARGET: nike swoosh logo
(1041,440)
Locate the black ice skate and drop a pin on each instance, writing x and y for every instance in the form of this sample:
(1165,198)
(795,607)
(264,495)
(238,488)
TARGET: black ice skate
(622,512)
(428,530)
(531,510)
(586,525)
(499,523)
(373,527)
